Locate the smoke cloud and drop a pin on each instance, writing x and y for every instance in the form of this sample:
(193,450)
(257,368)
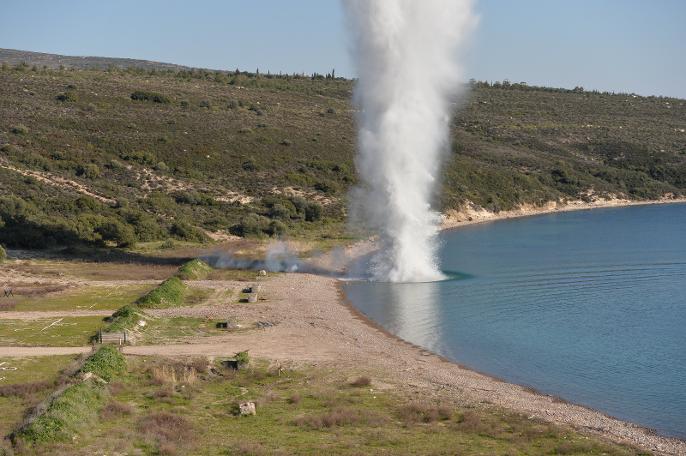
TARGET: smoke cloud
(407,58)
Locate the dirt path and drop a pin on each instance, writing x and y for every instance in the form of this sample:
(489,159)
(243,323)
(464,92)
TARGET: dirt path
(37,315)
(26,352)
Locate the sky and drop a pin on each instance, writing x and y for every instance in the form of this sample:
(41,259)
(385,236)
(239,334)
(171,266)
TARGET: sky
(615,45)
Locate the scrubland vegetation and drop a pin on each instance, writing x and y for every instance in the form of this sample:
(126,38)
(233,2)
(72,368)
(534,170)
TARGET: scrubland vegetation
(119,157)
(169,407)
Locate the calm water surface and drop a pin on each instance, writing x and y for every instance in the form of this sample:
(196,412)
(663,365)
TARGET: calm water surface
(589,306)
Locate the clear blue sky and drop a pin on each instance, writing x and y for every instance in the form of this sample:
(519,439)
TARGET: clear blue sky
(622,45)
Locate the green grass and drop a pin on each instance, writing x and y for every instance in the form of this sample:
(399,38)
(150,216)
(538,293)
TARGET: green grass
(66,331)
(89,298)
(169,293)
(90,270)
(177,329)
(180,407)
(38,370)
(194,270)
(107,363)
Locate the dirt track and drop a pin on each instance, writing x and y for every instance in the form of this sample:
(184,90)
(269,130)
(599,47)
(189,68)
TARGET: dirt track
(37,315)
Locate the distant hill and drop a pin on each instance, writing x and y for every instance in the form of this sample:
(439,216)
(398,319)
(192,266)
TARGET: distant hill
(54,61)
(135,154)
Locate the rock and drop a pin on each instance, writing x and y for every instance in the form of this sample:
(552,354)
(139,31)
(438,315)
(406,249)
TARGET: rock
(247,408)
(85,376)
(263,273)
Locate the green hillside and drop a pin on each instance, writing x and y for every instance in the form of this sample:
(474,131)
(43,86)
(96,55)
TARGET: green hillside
(116,156)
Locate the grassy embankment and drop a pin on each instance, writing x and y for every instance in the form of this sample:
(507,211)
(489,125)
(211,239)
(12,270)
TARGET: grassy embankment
(170,293)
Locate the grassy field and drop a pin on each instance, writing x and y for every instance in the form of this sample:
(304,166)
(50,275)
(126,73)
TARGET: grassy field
(32,381)
(115,158)
(86,298)
(187,407)
(52,332)
(177,330)
(74,267)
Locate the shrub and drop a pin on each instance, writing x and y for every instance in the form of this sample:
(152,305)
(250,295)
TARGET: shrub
(419,412)
(106,363)
(169,293)
(162,167)
(186,232)
(20,129)
(194,270)
(276,228)
(67,96)
(249,165)
(313,212)
(115,409)
(279,211)
(140,95)
(89,171)
(243,358)
(115,231)
(24,389)
(250,225)
(3,253)
(165,427)
(361,381)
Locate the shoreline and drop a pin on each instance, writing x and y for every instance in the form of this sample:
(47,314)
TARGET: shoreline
(471,214)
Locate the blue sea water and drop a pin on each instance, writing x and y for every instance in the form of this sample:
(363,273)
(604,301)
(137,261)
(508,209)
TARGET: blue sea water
(588,306)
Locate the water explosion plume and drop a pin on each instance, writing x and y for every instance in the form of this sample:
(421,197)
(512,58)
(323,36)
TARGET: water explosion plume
(406,54)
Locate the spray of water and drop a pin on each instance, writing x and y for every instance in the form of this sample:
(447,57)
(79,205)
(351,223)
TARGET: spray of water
(407,58)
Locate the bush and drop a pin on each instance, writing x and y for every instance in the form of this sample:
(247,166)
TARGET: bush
(89,171)
(20,129)
(115,231)
(419,412)
(243,358)
(361,381)
(313,212)
(107,363)
(279,211)
(140,95)
(67,96)
(250,225)
(276,228)
(194,270)
(249,165)
(162,167)
(186,232)
(169,293)
(165,427)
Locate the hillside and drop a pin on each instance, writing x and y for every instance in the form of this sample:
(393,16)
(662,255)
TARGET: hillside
(118,156)
(40,59)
